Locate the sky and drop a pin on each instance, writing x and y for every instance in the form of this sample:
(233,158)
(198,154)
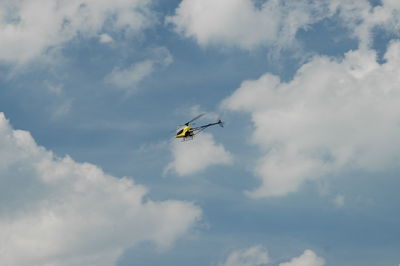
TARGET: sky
(304,173)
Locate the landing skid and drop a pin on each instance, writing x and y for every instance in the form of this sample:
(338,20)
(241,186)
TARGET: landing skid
(187,138)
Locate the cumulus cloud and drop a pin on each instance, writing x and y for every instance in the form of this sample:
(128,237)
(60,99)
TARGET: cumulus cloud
(193,156)
(334,115)
(246,24)
(240,23)
(308,258)
(31,28)
(130,77)
(253,256)
(55,211)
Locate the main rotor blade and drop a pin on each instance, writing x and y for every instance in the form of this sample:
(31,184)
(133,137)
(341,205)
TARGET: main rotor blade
(197,117)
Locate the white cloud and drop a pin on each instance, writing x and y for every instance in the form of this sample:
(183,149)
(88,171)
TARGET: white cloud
(240,23)
(308,258)
(196,155)
(258,255)
(31,28)
(105,38)
(253,256)
(55,211)
(129,78)
(334,115)
(361,18)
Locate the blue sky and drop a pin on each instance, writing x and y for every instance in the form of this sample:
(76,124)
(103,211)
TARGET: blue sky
(304,173)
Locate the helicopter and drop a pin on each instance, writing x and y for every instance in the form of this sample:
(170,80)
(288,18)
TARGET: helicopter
(187,132)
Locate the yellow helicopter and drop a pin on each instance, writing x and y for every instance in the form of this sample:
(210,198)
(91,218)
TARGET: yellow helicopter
(187,132)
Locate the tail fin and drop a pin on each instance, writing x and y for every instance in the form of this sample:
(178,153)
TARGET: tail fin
(220,123)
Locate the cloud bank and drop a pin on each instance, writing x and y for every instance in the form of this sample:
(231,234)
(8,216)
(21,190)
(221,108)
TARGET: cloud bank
(55,211)
(334,115)
(30,28)
(250,24)
(240,23)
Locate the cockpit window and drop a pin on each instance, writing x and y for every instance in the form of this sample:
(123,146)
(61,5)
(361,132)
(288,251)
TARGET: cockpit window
(179,132)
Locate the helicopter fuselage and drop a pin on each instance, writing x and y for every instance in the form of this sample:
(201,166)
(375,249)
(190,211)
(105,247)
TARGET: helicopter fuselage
(184,132)
(187,132)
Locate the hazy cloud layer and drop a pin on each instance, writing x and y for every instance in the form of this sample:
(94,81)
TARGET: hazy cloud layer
(55,211)
(193,156)
(334,115)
